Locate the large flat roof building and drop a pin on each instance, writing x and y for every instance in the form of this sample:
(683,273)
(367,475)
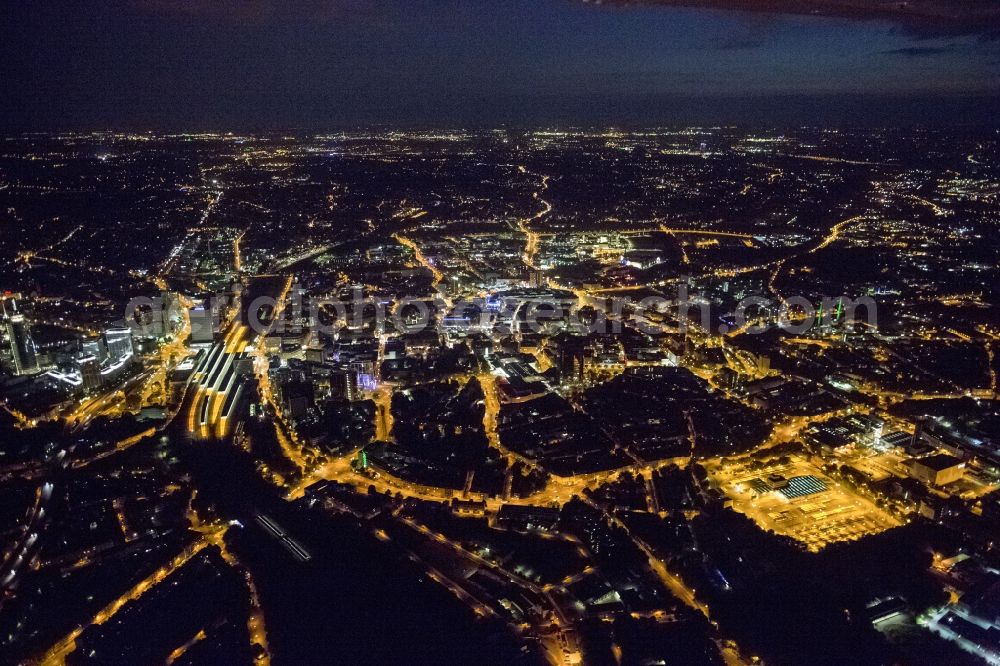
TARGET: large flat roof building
(937,470)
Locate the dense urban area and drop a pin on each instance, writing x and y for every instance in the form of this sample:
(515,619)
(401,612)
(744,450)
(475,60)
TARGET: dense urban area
(698,395)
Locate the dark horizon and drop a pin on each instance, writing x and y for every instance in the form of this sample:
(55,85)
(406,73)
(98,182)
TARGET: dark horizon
(651,111)
(263,65)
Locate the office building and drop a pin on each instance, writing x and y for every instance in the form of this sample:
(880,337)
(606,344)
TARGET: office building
(22,347)
(202,325)
(118,342)
(90,372)
(95,347)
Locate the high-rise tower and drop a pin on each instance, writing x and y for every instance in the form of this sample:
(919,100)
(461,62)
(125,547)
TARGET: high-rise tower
(22,347)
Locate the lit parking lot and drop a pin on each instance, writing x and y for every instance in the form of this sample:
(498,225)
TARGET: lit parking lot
(803,503)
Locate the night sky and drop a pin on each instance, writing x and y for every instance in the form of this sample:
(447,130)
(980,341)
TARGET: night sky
(175,64)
